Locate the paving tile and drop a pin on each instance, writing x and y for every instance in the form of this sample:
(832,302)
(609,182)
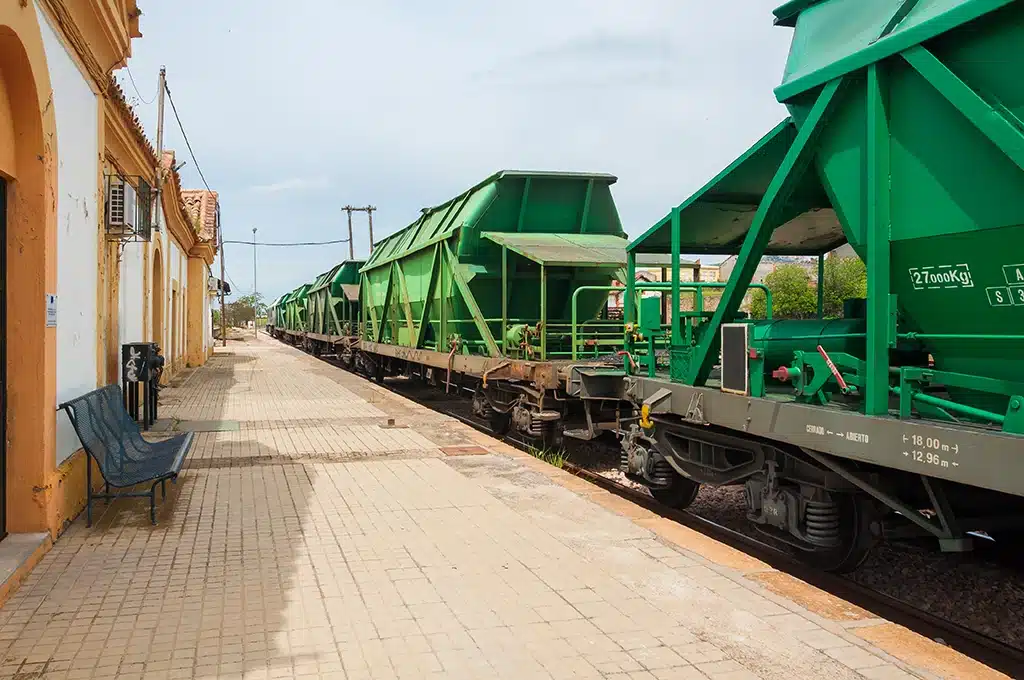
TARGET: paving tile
(886,672)
(855,657)
(308,538)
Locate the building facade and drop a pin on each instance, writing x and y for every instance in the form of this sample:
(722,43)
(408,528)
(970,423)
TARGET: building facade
(82,270)
(658,269)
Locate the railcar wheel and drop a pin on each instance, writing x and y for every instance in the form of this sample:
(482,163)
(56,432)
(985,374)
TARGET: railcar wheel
(551,435)
(857,537)
(499,422)
(679,494)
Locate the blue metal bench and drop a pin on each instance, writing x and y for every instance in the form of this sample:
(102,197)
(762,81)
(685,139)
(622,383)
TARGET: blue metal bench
(124,458)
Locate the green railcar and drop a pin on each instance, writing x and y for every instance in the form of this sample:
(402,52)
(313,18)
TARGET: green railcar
(906,141)
(487,285)
(332,311)
(332,302)
(275,316)
(295,312)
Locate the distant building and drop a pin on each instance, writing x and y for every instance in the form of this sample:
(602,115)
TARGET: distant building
(770,263)
(657,268)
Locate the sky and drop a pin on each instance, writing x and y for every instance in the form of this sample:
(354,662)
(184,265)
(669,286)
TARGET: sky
(295,109)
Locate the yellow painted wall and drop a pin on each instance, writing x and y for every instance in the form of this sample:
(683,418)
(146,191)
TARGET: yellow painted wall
(30,168)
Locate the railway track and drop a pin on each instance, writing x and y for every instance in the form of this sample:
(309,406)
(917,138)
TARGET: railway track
(990,651)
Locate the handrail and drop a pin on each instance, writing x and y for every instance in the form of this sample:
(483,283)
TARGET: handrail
(696,286)
(959,336)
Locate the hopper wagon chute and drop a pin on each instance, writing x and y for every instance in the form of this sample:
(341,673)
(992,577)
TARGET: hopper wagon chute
(905,140)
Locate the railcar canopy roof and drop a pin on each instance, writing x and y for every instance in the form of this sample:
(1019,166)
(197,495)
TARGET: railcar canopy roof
(577,250)
(565,250)
(716,219)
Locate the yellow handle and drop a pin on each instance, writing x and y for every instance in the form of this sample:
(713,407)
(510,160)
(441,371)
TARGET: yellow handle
(645,417)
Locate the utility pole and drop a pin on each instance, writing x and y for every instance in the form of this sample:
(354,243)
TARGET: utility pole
(255,315)
(369,216)
(161,89)
(351,243)
(369,213)
(223,313)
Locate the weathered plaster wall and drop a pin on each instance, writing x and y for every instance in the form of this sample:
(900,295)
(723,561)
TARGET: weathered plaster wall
(78,218)
(132,322)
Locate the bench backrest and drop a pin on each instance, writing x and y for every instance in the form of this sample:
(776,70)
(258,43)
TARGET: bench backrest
(107,432)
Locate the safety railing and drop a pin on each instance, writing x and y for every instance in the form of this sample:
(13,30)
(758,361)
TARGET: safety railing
(697,287)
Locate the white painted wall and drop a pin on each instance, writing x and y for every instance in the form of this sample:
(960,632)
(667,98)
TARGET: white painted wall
(131,317)
(78,217)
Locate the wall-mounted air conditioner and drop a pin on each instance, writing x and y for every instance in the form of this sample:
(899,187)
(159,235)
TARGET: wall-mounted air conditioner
(122,213)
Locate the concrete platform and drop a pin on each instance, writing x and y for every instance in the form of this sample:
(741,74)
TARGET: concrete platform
(315,540)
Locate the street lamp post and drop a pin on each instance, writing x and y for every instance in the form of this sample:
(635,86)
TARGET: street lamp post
(255,312)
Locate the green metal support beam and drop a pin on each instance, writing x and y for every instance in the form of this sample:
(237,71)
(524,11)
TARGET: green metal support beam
(504,301)
(794,165)
(988,119)
(586,207)
(387,305)
(876,387)
(474,308)
(334,317)
(364,294)
(421,331)
(677,325)
(523,204)
(403,290)
(628,303)
(821,286)
(543,312)
(444,295)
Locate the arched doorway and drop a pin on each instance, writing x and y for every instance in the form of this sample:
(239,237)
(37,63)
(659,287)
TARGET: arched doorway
(158,298)
(27,272)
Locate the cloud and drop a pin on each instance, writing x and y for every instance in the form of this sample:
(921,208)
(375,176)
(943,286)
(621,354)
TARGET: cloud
(290,123)
(291,184)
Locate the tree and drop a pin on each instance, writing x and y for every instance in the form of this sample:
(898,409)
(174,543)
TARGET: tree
(792,294)
(241,311)
(845,278)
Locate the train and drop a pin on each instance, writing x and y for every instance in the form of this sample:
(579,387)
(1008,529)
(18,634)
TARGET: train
(903,417)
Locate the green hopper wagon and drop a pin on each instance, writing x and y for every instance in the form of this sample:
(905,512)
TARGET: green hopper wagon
(332,312)
(275,316)
(906,141)
(295,313)
(486,287)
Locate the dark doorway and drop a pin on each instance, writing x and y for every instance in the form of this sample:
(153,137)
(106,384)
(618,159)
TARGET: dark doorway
(3,358)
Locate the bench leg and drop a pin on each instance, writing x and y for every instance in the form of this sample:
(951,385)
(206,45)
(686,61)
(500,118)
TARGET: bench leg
(163,489)
(88,492)
(152,503)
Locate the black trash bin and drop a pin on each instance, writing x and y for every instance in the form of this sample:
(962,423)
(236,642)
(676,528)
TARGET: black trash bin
(141,366)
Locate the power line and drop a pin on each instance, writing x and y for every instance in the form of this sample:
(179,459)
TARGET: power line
(187,143)
(136,87)
(307,243)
